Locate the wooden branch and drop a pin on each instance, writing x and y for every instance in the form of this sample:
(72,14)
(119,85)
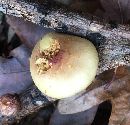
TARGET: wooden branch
(30,101)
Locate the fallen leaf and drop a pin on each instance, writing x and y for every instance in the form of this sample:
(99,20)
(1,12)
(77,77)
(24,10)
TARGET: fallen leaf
(86,6)
(14,73)
(111,10)
(82,118)
(117,93)
(127,120)
(116,10)
(28,32)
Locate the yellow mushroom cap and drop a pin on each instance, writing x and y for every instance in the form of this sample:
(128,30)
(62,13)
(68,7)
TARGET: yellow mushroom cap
(72,69)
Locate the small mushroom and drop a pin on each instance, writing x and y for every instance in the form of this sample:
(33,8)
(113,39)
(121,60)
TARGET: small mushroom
(9,104)
(62,65)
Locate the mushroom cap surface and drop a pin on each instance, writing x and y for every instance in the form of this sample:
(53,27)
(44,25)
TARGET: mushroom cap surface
(73,69)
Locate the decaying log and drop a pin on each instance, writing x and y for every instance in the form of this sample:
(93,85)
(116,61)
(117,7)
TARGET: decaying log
(113,45)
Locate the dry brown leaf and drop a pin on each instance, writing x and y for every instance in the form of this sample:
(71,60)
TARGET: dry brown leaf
(83,118)
(14,73)
(86,6)
(28,32)
(117,10)
(112,10)
(118,93)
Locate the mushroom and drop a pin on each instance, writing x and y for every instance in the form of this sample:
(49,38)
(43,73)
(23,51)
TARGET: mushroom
(9,104)
(63,65)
